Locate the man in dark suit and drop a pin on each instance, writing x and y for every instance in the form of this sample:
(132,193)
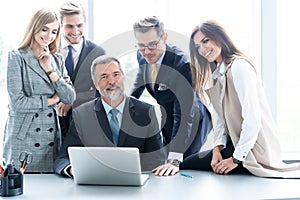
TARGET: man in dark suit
(165,72)
(93,126)
(83,52)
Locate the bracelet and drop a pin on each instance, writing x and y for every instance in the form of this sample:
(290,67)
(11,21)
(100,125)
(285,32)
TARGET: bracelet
(50,71)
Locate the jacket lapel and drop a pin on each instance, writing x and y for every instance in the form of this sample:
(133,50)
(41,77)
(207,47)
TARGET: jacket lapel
(103,120)
(33,63)
(127,120)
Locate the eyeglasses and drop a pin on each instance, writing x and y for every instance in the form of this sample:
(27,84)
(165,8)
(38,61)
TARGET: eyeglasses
(150,46)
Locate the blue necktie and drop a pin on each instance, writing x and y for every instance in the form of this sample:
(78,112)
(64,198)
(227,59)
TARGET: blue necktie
(70,61)
(114,125)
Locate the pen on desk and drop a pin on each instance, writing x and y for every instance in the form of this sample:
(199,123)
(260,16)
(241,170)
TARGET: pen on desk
(186,175)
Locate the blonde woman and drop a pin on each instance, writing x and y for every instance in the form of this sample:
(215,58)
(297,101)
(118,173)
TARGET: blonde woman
(35,84)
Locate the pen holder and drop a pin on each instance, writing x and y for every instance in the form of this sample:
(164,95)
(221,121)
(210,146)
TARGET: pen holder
(11,182)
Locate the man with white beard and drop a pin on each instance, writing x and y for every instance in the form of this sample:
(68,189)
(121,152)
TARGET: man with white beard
(113,119)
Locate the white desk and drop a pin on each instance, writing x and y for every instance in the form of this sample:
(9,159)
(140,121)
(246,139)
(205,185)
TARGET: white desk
(203,185)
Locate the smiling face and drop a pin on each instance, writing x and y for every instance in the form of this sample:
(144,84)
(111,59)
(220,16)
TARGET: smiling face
(146,41)
(207,48)
(46,35)
(73,27)
(110,83)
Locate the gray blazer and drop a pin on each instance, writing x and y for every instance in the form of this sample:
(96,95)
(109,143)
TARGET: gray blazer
(32,125)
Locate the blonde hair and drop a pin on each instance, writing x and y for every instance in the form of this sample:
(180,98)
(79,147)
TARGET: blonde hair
(38,21)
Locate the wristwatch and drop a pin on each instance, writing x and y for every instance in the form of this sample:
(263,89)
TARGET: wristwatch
(50,71)
(174,162)
(236,161)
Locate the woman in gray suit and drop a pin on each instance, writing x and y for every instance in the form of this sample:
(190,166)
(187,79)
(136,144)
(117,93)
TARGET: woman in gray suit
(245,133)
(36,81)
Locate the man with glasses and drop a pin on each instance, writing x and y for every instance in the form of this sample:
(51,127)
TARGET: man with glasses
(165,72)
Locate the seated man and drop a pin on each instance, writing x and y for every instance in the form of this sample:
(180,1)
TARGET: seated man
(133,124)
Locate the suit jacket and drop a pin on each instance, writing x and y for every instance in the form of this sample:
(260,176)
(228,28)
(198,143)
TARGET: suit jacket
(139,128)
(182,110)
(32,125)
(265,157)
(81,77)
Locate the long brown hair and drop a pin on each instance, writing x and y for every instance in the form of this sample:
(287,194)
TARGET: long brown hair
(200,67)
(40,18)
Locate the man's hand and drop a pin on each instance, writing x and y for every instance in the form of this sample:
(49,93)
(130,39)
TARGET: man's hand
(63,109)
(165,170)
(70,171)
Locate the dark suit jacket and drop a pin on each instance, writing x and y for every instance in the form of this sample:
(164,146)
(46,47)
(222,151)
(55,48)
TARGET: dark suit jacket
(82,80)
(81,77)
(174,93)
(139,128)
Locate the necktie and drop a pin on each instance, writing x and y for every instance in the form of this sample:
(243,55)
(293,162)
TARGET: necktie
(154,73)
(114,125)
(70,61)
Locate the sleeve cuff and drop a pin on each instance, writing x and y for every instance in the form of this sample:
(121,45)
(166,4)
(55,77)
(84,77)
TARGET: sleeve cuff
(65,172)
(175,155)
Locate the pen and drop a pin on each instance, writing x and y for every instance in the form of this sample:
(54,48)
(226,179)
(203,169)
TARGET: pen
(186,175)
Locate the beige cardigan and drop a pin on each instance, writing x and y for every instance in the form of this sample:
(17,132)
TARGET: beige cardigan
(264,159)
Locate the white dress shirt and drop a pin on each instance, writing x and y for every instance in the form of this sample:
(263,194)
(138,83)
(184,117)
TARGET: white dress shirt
(245,82)
(76,49)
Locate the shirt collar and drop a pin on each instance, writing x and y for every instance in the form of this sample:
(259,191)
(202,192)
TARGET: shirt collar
(120,107)
(219,71)
(159,61)
(65,44)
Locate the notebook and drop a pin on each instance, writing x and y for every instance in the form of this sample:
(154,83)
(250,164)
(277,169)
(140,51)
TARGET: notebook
(107,166)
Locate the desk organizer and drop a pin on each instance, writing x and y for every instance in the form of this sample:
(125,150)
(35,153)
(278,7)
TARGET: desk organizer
(11,182)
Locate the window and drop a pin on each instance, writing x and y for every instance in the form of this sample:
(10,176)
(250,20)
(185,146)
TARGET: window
(111,27)
(288,71)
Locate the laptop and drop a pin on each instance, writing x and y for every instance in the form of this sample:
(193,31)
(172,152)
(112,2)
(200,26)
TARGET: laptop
(107,166)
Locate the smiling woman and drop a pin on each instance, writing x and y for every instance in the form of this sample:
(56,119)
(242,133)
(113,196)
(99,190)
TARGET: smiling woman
(35,86)
(10,37)
(244,22)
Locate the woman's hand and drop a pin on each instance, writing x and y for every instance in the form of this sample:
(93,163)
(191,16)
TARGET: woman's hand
(44,59)
(53,100)
(220,165)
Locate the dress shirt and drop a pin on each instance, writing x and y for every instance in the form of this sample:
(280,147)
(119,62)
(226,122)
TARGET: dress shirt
(120,108)
(245,82)
(76,50)
(149,69)
(107,108)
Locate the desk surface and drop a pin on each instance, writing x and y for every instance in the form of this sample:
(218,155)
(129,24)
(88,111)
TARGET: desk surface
(203,185)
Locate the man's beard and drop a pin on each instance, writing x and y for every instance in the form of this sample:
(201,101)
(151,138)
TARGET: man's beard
(115,95)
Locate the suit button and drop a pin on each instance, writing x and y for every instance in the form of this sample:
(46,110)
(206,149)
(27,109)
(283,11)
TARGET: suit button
(36,115)
(37,144)
(51,144)
(50,130)
(50,115)
(37,130)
